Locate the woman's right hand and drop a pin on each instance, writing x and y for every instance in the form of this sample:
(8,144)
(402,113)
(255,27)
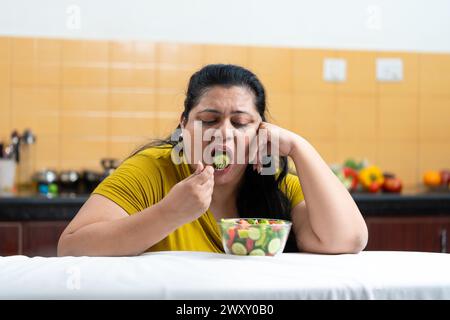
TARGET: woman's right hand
(191,197)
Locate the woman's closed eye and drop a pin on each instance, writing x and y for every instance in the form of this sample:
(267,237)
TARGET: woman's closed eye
(238,121)
(209,122)
(239,124)
(236,124)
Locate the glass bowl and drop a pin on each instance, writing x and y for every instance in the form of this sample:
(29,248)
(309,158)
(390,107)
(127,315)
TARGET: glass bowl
(254,236)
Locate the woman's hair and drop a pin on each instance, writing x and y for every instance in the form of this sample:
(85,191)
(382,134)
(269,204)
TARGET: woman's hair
(258,195)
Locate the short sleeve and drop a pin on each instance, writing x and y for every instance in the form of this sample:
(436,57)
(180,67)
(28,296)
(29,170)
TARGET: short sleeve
(135,185)
(292,189)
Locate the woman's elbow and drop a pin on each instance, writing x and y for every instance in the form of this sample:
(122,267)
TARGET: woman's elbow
(63,248)
(358,245)
(358,241)
(352,243)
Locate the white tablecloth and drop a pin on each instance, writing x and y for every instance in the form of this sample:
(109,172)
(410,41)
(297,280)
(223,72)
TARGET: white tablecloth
(200,275)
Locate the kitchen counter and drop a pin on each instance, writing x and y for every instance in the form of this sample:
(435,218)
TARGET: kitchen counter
(34,207)
(40,208)
(196,275)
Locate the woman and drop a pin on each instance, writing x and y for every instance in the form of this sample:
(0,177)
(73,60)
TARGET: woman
(151,203)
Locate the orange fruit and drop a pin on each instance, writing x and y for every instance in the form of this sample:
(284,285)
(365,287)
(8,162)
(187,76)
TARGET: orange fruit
(432,178)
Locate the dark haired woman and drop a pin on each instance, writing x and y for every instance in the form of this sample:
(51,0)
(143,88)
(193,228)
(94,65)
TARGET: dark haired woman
(151,203)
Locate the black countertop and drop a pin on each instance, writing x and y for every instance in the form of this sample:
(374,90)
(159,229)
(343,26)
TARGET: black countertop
(40,208)
(33,207)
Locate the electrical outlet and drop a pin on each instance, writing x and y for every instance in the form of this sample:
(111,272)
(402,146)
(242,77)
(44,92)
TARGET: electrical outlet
(389,69)
(334,70)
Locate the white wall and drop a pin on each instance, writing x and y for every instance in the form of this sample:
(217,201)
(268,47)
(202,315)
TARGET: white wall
(410,25)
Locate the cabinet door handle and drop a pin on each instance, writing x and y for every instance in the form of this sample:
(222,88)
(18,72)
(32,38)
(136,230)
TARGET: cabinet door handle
(443,239)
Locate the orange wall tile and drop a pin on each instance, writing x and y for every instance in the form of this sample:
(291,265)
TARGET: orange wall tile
(362,149)
(360,73)
(308,71)
(226,54)
(81,99)
(314,116)
(85,124)
(280,109)
(82,153)
(5,50)
(132,100)
(5,114)
(434,125)
(356,118)
(23,50)
(434,74)
(5,74)
(134,124)
(274,68)
(84,52)
(180,54)
(401,158)
(398,118)
(48,149)
(410,83)
(434,155)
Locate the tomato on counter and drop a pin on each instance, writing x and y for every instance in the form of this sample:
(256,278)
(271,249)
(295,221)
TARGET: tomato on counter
(392,184)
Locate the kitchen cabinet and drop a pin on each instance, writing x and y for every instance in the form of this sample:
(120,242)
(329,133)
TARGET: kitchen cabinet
(428,233)
(10,238)
(41,238)
(37,238)
(413,233)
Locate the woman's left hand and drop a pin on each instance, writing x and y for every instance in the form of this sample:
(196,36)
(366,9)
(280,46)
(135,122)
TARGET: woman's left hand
(275,141)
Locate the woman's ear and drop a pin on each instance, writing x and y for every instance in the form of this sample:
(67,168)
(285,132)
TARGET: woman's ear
(183,121)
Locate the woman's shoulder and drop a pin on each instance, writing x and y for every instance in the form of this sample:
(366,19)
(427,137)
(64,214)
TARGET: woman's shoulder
(140,180)
(161,153)
(153,161)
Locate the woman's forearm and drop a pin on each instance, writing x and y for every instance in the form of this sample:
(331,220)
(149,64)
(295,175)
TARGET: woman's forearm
(127,236)
(333,214)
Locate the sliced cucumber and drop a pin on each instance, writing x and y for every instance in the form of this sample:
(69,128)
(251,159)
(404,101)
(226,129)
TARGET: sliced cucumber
(257,252)
(254,233)
(239,249)
(261,240)
(274,245)
(221,161)
(283,232)
(243,233)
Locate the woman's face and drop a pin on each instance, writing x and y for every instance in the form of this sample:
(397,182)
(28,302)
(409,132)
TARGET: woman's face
(227,119)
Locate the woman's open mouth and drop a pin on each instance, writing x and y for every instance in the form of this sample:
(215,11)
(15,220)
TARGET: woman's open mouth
(221,158)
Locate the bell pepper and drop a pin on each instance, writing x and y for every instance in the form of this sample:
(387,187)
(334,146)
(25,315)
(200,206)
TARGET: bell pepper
(371,178)
(351,174)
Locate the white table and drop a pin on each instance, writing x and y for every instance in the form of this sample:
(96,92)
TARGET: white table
(200,275)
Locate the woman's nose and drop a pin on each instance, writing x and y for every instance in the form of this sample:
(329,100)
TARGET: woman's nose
(227,131)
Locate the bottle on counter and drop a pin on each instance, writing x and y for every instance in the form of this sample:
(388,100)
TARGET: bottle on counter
(26,157)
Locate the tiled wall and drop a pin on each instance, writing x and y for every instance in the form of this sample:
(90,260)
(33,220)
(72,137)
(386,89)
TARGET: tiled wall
(87,100)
